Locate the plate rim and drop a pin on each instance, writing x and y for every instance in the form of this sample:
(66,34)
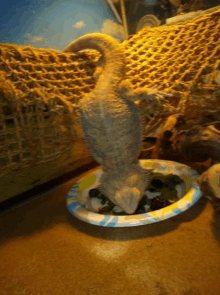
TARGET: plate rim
(138,219)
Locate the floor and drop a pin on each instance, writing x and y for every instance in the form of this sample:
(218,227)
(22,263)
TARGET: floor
(45,250)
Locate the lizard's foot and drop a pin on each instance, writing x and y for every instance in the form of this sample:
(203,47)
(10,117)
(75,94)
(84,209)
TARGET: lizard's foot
(155,102)
(151,95)
(158,98)
(155,94)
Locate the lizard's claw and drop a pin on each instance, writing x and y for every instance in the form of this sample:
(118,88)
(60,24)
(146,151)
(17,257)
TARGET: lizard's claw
(163,93)
(158,99)
(160,95)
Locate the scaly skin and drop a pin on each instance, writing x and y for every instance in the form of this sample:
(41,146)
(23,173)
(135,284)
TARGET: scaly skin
(111,123)
(127,181)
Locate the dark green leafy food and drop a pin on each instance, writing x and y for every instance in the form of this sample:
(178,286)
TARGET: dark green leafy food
(163,184)
(169,194)
(140,210)
(94,193)
(105,199)
(144,201)
(158,203)
(120,213)
(170,185)
(105,209)
(157,183)
(152,189)
(175,179)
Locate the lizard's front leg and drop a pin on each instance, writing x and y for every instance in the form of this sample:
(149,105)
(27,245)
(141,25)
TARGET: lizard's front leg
(157,100)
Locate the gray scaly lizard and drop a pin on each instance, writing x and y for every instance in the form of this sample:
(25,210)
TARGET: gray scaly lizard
(111,123)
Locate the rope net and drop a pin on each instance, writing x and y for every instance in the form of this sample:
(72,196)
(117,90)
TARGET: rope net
(40,90)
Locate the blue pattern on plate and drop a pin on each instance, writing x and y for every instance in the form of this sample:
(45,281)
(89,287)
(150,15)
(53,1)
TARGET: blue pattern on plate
(70,196)
(148,215)
(162,169)
(104,220)
(145,218)
(72,206)
(189,205)
(74,189)
(177,210)
(113,222)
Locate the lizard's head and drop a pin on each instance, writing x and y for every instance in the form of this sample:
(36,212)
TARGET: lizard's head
(125,187)
(128,198)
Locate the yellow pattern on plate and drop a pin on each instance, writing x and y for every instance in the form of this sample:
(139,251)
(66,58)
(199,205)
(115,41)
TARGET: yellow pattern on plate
(85,183)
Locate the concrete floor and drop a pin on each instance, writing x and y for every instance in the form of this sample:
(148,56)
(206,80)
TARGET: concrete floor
(45,250)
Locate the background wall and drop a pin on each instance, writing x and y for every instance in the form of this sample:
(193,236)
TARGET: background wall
(55,23)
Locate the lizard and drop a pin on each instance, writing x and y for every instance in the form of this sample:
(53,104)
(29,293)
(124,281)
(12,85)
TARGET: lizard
(111,122)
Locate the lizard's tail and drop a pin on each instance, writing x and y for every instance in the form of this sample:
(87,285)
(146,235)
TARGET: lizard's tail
(112,52)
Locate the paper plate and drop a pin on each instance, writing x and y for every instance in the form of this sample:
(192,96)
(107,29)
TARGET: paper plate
(92,180)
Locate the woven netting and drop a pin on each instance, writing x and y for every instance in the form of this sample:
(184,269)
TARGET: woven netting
(40,90)
(182,59)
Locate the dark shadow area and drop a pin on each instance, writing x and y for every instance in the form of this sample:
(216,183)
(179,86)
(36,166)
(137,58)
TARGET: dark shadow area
(138,232)
(216,220)
(38,215)
(34,193)
(50,209)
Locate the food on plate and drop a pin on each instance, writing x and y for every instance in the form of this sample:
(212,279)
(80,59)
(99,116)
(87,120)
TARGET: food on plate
(161,192)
